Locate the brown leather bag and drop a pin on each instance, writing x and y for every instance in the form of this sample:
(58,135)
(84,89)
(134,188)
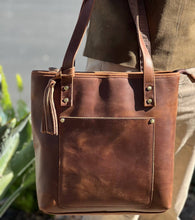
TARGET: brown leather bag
(106,144)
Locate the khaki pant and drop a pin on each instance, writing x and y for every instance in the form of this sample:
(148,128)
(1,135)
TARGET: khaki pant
(184,150)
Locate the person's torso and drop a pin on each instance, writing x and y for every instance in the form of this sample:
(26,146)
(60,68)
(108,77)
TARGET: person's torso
(112,35)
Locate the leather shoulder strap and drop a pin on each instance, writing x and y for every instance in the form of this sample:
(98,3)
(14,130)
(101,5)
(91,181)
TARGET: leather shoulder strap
(148,68)
(82,23)
(77,36)
(144,28)
(83,20)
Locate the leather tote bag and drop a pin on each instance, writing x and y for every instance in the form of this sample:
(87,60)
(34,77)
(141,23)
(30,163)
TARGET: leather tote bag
(104,141)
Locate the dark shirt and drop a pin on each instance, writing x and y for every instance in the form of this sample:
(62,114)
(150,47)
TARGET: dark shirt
(112,36)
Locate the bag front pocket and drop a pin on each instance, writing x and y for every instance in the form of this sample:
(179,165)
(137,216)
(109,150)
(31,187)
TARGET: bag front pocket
(106,162)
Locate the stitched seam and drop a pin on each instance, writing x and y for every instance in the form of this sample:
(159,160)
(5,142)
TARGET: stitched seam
(122,75)
(149,200)
(59,169)
(136,77)
(104,212)
(101,206)
(72,96)
(136,118)
(153,157)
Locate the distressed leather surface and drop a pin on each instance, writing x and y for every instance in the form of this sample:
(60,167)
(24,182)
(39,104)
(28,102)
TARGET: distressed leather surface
(107,157)
(100,164)
(65,163)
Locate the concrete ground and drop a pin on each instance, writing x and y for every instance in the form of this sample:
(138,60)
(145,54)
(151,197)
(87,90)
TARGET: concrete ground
(35,35)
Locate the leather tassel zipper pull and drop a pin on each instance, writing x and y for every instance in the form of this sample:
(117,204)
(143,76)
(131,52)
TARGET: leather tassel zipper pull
(49,123)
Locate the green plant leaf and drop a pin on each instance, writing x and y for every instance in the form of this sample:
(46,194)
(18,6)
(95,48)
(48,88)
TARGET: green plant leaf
(3,117)
(21,109)
(25,135)
(5,180)
(23,159)
(9,201)
(27,200)
(19,82)
(5,131)
(11,144)
(5,99)
(29,177)
(21,124)
(17,167)
(18,178)
(27,180)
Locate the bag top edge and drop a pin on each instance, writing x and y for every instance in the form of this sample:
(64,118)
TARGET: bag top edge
(105,73)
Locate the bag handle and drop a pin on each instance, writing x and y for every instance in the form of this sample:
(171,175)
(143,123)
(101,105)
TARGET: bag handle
(143,24)
(148,69)
(77,36)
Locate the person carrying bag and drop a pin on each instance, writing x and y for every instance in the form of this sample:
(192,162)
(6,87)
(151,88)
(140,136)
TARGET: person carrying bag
(104,140)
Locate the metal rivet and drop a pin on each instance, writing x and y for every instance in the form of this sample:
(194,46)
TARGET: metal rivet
(149,101)
(149,88)
(152,121)
(66,100)
(62,120)
(66,88)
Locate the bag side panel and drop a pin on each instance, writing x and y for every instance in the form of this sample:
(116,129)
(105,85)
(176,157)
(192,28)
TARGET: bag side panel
(46,146)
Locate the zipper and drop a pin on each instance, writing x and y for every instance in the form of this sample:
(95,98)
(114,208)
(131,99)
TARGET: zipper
(132,118)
